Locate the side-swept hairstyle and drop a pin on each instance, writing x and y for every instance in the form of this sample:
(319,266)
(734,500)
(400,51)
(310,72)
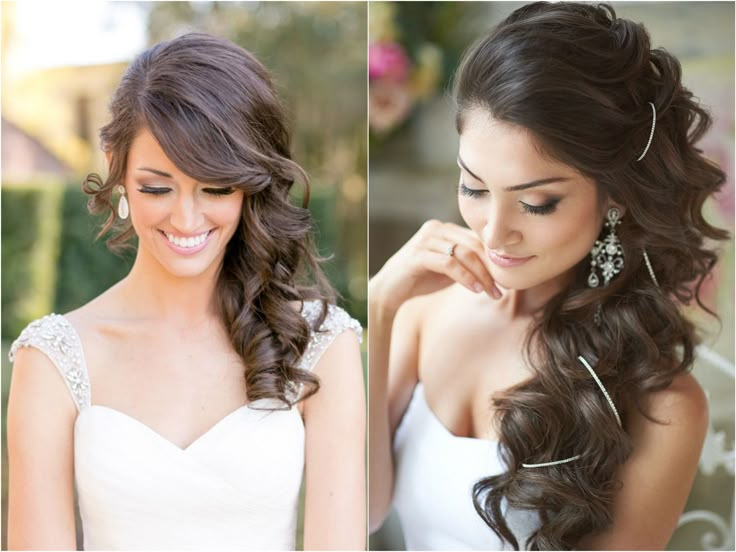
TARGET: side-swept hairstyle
(579,79)
(214,110)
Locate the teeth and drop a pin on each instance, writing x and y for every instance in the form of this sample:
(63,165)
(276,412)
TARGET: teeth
(187,242)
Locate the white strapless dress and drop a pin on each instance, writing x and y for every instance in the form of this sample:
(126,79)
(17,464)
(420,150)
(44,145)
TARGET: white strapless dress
(236,487)
(433,486)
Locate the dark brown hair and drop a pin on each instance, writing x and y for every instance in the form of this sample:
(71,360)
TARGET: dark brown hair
(578,79)
(214,110)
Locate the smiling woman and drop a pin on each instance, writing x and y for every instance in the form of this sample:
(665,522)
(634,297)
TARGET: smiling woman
(174,215)
(568,213)
(201,390)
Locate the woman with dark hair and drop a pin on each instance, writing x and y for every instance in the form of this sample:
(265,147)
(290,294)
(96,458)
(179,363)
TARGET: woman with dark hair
(530,381)
(199,389)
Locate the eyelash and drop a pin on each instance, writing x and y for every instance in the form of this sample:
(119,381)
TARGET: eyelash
(470,192)
(545,209)
(210,191)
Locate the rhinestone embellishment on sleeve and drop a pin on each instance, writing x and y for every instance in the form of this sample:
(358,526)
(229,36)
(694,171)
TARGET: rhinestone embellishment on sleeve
(57,339)
(336,322)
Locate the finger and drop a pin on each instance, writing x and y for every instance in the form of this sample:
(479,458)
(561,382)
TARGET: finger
(467,257)
(472,242)
(450,267)
(439,236)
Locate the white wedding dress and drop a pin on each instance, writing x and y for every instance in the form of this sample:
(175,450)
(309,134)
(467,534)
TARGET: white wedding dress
(435,471)
(236,487)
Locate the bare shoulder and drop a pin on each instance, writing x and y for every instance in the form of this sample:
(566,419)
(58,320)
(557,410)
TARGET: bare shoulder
(682,405)
(35,379)
(655,488)
(423,308)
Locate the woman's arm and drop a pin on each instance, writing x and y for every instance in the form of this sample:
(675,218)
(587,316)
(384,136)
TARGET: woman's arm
(392,350)
(659,474)
(40,432)
(422,266)
(334,417)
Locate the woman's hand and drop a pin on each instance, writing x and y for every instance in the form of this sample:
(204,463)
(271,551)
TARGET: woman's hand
(438,255)
(423,265)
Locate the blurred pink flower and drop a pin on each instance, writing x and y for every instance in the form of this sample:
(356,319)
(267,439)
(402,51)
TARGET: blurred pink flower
(389,104)
(387,60)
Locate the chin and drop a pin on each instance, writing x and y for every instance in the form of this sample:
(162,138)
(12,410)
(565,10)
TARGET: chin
(517,283)
(185,268)
(179,271)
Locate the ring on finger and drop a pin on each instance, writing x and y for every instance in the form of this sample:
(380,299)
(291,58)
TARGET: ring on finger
(451,249)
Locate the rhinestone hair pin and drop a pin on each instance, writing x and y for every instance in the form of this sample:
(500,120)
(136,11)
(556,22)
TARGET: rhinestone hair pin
(649,267)
(587,365)
(651,132)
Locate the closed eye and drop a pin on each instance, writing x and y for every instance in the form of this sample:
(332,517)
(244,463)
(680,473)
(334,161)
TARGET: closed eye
(154,190)
(545,209)
(220,191)
(470,192)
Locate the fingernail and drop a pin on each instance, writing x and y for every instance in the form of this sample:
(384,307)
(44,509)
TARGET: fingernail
(477,287)
(496,292)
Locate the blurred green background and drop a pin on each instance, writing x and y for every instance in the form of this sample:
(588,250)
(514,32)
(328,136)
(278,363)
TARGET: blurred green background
(414,48)
(51,113)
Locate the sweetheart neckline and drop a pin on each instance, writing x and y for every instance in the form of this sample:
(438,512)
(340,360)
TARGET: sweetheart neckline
(219,422)
(160,437)
(419,388)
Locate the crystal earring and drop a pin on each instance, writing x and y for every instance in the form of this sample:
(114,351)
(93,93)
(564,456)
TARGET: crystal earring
(608,255)
(123,209)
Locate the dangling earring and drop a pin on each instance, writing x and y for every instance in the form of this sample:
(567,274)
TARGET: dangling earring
(607,254)
(123,210)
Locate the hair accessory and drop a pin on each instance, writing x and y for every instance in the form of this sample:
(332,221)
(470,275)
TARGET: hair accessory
(451,249)
(123,209)
(651,132)
(603,389)
(649,267)
(556,462)
(610,402)
(607,254)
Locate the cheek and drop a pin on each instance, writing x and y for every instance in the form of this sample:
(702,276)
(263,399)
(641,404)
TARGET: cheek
(473,213)
(227,211)
(569,237)
(145,212)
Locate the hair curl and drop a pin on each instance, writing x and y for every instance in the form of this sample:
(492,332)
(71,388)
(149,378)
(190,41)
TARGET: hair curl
(580,79)
(214,110)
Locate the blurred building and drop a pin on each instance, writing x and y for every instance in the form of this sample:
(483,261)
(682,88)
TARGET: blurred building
(61,108)
(25,158)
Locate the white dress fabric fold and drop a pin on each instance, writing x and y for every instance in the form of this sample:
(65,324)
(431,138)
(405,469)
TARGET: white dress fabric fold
(435,471)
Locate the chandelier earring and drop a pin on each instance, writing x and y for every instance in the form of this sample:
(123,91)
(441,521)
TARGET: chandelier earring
(123,209)
(607,255)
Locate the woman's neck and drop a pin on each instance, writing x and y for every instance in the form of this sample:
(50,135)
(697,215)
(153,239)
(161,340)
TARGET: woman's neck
(152,292)
(524,303)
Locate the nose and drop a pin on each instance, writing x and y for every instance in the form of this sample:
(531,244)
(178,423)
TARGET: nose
(186,216)
(499,230)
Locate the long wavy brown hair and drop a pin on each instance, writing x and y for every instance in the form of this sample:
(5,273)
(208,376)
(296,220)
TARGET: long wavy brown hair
(580,79)
(215,112)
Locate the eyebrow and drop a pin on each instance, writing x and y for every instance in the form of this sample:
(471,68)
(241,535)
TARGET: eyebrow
(154,171)
(517,187)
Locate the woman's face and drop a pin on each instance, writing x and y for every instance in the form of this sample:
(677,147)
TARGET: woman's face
(182,224)
(544,215)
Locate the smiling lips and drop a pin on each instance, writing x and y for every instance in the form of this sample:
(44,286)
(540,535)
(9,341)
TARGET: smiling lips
(504,261)
(187,245)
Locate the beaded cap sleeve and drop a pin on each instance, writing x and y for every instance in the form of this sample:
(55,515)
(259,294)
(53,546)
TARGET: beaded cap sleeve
(57,339)
(336,322)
